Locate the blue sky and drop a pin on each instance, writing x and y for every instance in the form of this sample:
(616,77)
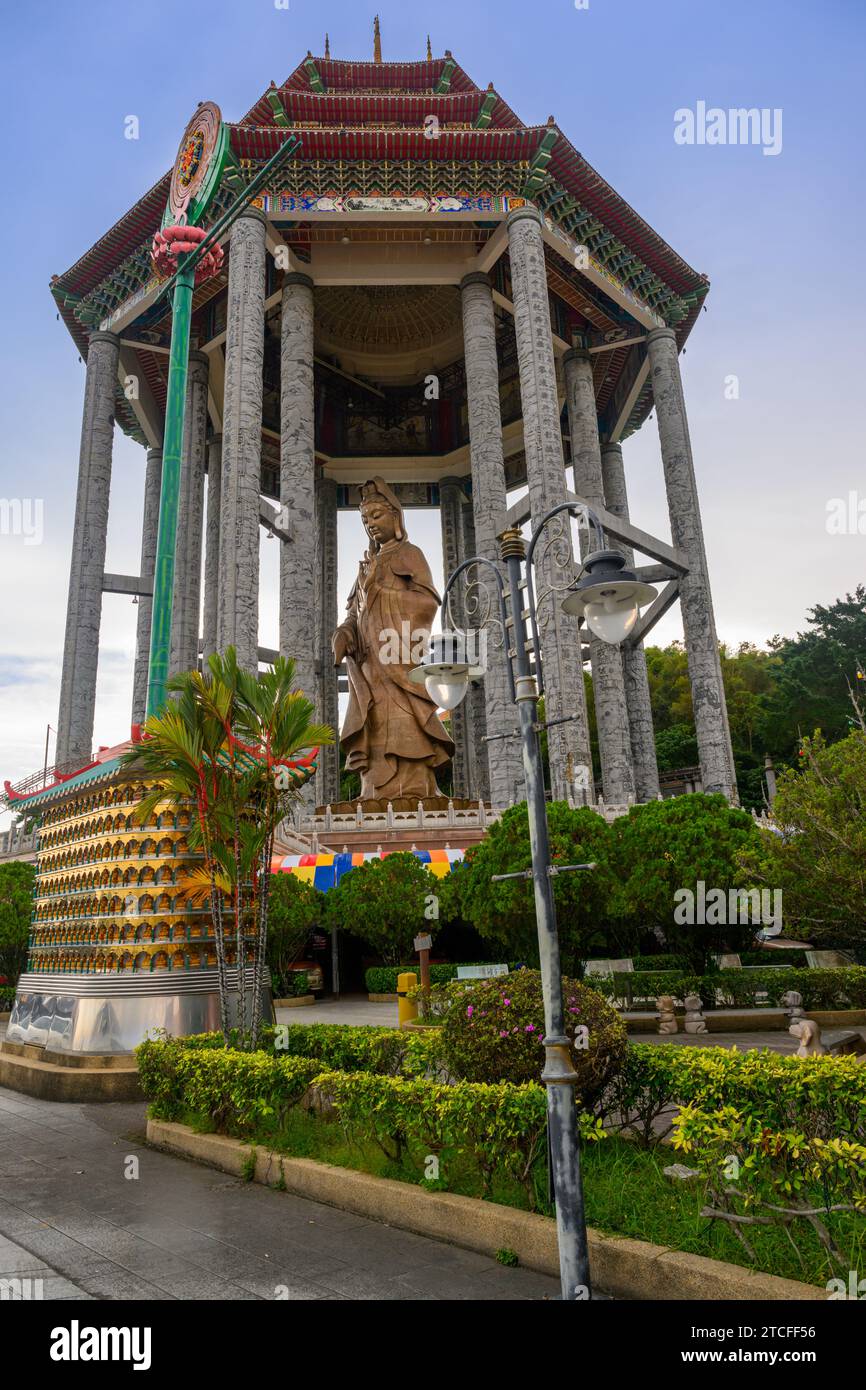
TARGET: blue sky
(780,238)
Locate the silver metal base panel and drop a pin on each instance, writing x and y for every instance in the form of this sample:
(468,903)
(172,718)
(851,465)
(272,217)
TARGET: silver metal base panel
(93,1014)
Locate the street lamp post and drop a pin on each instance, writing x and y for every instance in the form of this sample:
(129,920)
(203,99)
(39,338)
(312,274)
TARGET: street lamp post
(608,596)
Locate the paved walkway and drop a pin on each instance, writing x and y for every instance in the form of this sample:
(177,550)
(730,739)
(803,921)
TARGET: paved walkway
(69,1215)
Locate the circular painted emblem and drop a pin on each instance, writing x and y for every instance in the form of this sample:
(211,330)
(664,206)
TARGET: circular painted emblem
(194,156)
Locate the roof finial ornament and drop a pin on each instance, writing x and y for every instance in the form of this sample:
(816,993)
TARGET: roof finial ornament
(377,41)
(327,47)
(429,50)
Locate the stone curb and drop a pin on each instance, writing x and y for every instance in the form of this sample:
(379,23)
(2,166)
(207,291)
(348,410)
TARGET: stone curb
(81,1085)
(297,1001)
(624,1268)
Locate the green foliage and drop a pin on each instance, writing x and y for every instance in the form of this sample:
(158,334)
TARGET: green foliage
(497,1127)
(660,962)
(17,881)
(382,979)
(676,747)
(218,746)
(504,913)
(383,902)
(294,908)
(664,846)
(757,1175)
(238,1090)
(493,1031)
(842,987)
(506,1256)
(819,863)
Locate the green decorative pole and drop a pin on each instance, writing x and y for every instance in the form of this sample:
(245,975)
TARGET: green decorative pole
(202,157)
(172,450)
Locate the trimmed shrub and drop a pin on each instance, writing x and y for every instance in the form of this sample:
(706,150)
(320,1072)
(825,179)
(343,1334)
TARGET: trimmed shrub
(493,1031)
(838,988)
(757,1176)
(382,979)
(496,1126)
(824,1097)
(238,1090)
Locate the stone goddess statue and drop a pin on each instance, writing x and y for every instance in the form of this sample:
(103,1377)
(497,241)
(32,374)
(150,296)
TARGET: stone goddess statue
(392,734)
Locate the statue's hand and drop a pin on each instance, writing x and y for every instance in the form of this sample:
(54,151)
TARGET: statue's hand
(341,645)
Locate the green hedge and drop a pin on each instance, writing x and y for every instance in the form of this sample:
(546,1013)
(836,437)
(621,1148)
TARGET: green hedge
(660,962)
(824,1097)
(340,1046)
(840,988)
(238,1091)
(382,979)
(7,997)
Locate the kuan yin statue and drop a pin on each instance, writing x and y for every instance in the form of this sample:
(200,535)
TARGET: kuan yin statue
(392,734)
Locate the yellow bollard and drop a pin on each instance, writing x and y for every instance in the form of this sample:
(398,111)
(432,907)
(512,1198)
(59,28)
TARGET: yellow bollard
(407,1009)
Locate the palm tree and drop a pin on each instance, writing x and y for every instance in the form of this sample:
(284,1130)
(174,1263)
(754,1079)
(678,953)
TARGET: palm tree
(239,747)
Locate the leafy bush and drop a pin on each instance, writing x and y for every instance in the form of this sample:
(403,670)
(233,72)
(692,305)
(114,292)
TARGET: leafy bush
(504,913)
(496,1126)
(818,1096)
(660,962)
(237,1090)
(382,979)
(666,846)
(383,902)
(493,1031)
(17,881)
(757,1175)
(297,983)
(294,908)
(843,987)
(818,862)
(7,997)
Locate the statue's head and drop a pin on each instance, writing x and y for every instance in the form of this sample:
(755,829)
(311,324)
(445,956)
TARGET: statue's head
(381,513)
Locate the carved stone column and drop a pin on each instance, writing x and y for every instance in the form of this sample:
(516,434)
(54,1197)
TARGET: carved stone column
(568,743)
(186,605)
(699,623)
(489,511)
(327,701)
(149,529)
(611,713)
(212,546)
(637,693)
(87,567)
(238,590)
(450,510)
(298,557)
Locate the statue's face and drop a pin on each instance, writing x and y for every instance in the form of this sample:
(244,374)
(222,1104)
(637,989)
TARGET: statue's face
(380,522)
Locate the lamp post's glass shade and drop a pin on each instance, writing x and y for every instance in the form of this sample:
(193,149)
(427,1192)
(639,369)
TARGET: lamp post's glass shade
(608,596)
(611,618)
(445,673)
(447,686)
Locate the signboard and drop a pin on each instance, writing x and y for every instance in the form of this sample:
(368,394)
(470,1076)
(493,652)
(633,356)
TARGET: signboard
(480,972)
(423,943)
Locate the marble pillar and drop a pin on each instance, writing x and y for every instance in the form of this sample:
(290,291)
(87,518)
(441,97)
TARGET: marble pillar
(489,512)
(327,699)
(149,529)
(637,693)
(568,743)
(479,766)
(238,588)
(696,604)
(299,561)
(89,535)
(212,546)
(186,603)
(451,500)
(611,712)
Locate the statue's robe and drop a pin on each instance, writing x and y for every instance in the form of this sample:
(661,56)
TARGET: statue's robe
(392,734)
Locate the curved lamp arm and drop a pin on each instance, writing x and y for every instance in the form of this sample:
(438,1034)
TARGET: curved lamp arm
(576,509)
(503,611)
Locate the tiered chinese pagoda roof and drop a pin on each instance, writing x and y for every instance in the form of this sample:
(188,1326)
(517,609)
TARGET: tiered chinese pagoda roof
(364,127)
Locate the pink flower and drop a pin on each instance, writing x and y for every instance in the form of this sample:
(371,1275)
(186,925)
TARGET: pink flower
(530,1028)
(506,1002)
(469,1011)
(503,1032)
